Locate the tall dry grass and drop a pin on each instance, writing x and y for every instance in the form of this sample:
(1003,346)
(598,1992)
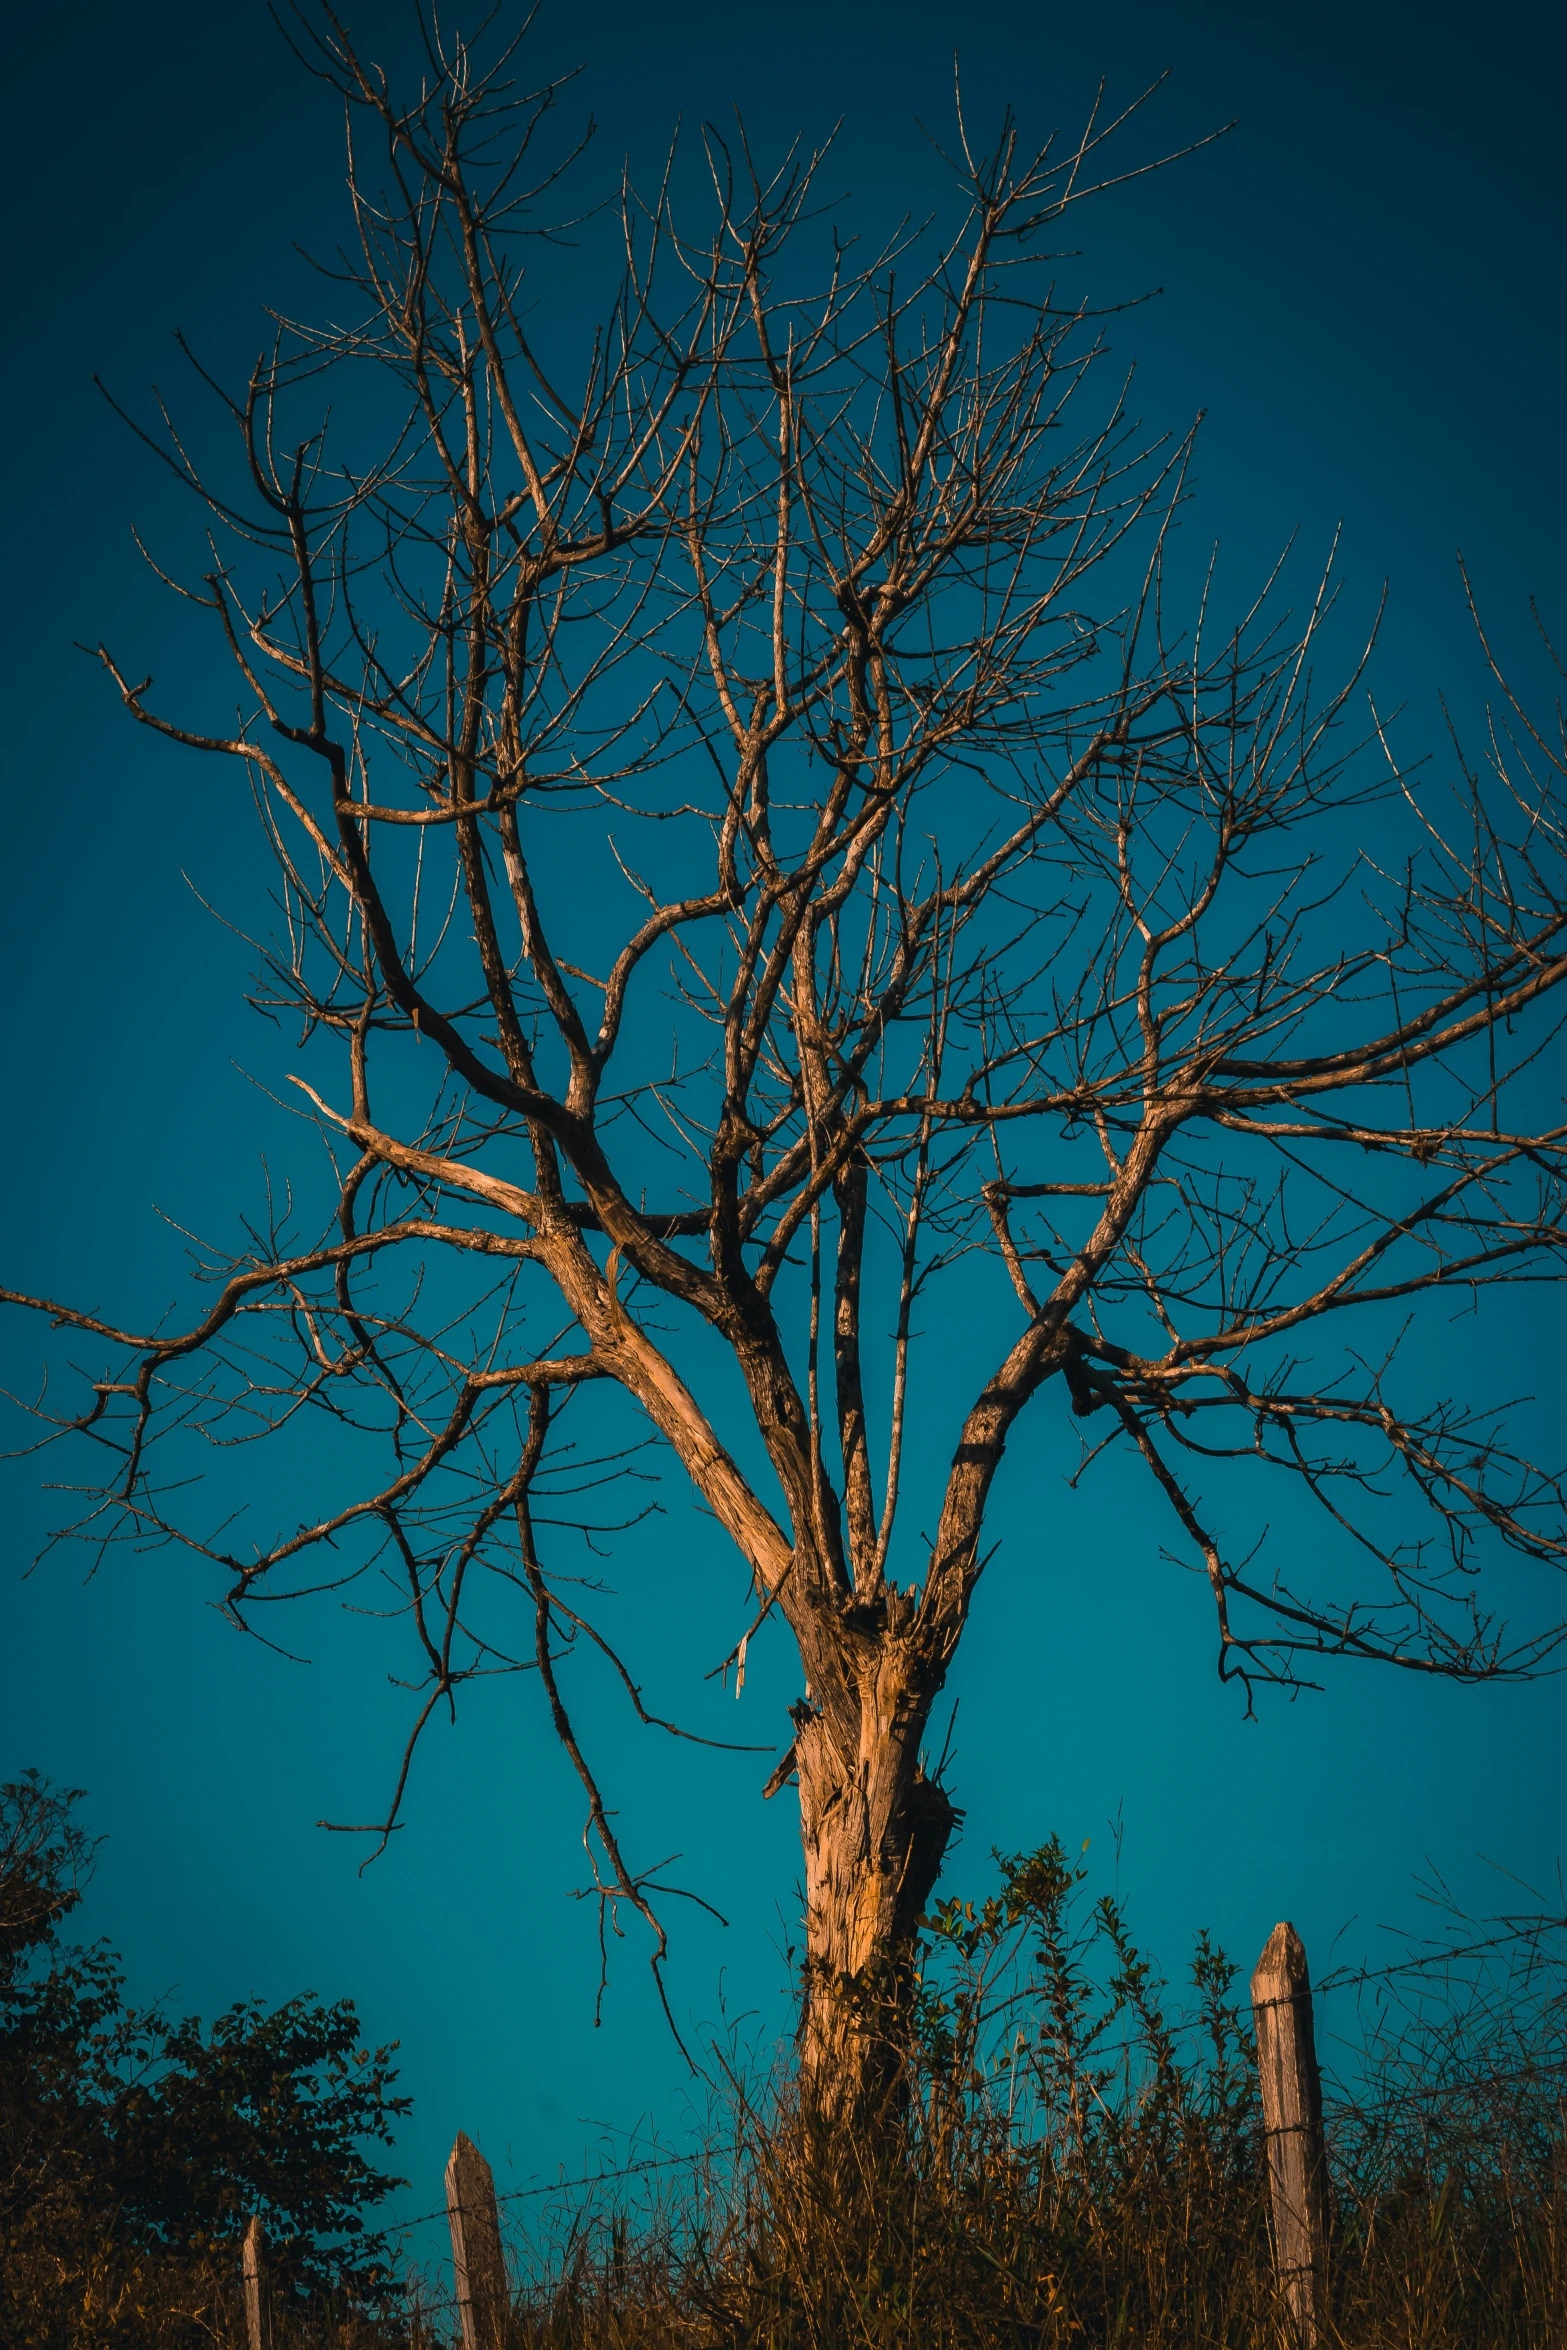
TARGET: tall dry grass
(69,2280)
(1077,2162)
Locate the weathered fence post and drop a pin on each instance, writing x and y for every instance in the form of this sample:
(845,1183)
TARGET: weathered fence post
(483,2300)
(257,2330)
(1292,2119)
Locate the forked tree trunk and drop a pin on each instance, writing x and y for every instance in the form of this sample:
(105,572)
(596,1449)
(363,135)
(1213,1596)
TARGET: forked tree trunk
(874,1830)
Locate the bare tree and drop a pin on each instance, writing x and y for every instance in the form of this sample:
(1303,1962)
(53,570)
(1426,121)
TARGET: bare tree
(964,925)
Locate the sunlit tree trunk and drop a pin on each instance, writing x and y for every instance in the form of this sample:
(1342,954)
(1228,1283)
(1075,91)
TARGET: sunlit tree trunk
(874,1829)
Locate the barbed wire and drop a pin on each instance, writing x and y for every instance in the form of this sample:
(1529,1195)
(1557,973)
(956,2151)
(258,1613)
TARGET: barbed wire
(1448,1954)
(1513,1931)
(557,2187)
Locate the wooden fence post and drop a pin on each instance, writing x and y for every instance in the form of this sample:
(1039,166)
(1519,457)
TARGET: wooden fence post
(479,2267)
(1292,2119)
(257,2330)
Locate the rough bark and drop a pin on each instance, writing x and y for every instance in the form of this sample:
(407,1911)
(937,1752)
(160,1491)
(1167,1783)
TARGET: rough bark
(874,1829)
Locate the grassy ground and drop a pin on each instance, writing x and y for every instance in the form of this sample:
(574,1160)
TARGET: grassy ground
(1078,2164)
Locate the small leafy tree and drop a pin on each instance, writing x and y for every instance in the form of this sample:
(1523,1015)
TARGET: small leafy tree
(119,2125)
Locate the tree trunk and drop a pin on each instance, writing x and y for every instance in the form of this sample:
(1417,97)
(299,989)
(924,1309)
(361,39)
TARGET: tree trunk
(874,1830)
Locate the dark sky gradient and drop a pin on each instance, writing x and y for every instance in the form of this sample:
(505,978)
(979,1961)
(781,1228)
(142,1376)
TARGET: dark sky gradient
(1363,287)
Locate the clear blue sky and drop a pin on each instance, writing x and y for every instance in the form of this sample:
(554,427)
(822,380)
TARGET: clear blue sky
(1363,287)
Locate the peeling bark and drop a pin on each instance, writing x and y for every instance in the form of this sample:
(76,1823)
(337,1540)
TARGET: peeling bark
(874,1829)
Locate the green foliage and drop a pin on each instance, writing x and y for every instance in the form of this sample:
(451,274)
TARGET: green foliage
(266,2112)
(134,2149)
(45,1857)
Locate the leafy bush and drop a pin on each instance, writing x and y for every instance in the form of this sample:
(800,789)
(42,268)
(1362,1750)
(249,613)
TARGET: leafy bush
(133,2148)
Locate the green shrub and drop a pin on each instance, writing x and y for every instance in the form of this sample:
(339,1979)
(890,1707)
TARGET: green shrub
(133,2149)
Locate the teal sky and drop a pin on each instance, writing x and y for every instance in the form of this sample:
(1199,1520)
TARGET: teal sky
(1363,286)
